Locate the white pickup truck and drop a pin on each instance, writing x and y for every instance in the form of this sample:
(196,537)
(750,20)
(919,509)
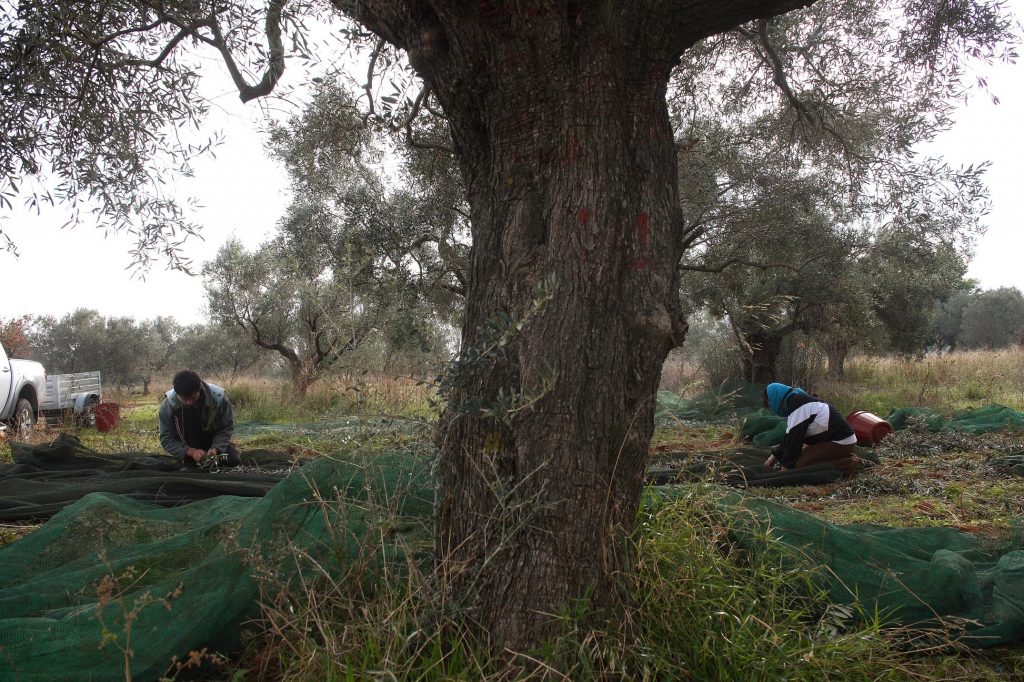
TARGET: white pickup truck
(27,392)
(22,389)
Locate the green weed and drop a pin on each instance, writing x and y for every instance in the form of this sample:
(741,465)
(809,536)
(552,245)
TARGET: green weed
(697,607)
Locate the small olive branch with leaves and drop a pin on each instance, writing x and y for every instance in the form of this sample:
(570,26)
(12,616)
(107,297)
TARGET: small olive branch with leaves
(496,336)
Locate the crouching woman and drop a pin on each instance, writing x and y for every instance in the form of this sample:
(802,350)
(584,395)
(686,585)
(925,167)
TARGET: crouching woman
(816,432)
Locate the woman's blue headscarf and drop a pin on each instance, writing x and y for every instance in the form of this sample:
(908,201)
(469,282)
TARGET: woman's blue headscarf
(776,397)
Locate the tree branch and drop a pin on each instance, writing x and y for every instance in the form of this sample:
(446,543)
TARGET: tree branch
(275,67)
(158,61)
(804,113)
(694,22)
(749,263)
(771,57)
(370,70)
(252,327)
(410,140)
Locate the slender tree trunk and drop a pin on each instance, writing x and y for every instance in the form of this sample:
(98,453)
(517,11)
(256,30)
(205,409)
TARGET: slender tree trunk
(301,377)
(759,359)
(146,381)
(571,173)
(837,350)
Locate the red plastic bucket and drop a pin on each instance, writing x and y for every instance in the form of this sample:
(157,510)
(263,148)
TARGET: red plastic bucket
(108,416)
(870,428)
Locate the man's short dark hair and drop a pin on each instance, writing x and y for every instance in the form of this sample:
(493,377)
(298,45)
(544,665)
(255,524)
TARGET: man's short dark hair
(186,382)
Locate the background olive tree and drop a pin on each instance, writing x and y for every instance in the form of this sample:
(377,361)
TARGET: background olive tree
(808,207)
(353,261)
(993,319)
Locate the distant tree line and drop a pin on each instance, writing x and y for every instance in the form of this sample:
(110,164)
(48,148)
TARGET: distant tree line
(972,318)
(127,351)
(909,319)
(141,353)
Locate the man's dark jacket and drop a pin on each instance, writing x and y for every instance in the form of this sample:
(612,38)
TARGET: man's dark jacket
(215,415)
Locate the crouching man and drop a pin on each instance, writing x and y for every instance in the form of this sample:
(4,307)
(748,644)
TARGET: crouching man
(196,423)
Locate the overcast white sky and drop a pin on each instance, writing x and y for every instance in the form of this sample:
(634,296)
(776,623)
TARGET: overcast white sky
(243,193)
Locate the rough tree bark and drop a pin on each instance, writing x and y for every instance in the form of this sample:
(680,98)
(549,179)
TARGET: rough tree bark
(559,122)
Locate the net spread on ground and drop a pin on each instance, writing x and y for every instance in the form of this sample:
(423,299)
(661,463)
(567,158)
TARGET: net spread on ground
(140,557)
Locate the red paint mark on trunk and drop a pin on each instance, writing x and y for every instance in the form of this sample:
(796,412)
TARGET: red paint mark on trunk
(642,233)
(582,216)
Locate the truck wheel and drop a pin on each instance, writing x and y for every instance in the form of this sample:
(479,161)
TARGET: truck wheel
(24,418)
(89,412)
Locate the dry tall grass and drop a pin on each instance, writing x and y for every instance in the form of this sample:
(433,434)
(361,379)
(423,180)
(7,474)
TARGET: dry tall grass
(944,382)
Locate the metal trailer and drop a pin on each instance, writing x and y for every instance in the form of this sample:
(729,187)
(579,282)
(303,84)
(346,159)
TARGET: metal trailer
(75,395)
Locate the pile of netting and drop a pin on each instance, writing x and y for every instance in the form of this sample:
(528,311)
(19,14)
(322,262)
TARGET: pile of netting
(113,585)
(43,479)
(988,419)
(940,584)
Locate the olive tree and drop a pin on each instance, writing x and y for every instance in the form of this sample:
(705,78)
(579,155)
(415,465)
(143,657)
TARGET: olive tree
(807,206)
(559,123)
(993,319)
(160,337)
(353,258)
(221,352)
(947,320)
(308,315)
(72,343)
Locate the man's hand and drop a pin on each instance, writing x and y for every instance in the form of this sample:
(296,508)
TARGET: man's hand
(769,463)
(212,452)
(195,453)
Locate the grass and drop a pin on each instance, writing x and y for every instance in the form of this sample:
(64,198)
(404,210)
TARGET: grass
(946,383)
(698,606)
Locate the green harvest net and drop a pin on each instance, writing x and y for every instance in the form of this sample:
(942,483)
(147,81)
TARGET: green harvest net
(188,572)
(110,573)
(60,603)
(742,401)
(955,585)
(989,419)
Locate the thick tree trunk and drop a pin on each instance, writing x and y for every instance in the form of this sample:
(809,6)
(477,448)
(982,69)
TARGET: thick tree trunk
(571,172)
(759,359)
(559,122)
